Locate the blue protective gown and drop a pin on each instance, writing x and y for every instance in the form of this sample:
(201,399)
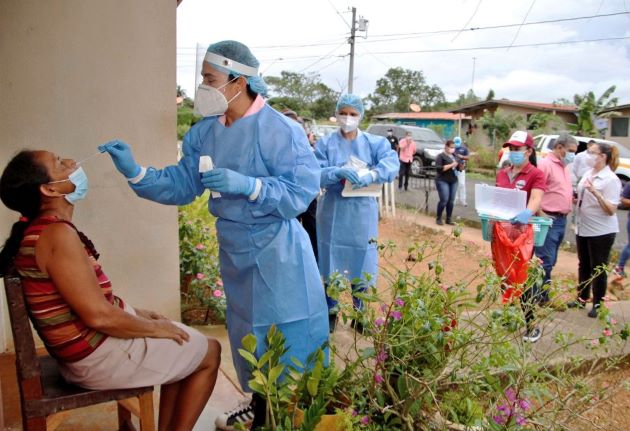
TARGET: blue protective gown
(267,264)
(345,226)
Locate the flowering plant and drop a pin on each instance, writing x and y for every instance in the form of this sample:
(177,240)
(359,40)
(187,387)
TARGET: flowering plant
(201,283)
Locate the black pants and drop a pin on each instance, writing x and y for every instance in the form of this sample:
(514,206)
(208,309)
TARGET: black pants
(593,252)
(309,223)
(405,168)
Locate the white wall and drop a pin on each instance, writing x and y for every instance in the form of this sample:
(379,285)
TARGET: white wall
(75,74)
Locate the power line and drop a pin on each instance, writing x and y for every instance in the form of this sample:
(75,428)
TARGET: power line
(467,22)
(568,42)
(521,26)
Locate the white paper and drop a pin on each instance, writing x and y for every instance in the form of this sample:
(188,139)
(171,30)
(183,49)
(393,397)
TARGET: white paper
(373,190)
(499,202)
(205,165)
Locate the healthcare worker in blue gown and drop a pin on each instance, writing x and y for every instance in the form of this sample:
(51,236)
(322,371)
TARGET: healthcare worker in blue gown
(266,174)
(348,226)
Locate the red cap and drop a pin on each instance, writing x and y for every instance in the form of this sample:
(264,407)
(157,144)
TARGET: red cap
(520,139)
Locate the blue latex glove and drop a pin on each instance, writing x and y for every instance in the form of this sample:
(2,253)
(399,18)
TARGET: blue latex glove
(522,217)
(228,181)
(364,181)
(347,173)
(122,157)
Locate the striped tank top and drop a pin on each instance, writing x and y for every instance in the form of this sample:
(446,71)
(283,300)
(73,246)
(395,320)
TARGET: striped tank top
(64,334)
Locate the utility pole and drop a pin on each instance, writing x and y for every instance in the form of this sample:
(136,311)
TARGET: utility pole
(351,42)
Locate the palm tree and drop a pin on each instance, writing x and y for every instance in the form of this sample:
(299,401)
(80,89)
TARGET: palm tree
(588,107)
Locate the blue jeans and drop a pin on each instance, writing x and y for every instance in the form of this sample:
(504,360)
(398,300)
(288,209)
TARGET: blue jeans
(548,252)
(446,192)
(625,254)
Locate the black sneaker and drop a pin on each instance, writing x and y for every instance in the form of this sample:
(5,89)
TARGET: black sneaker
(576,304)
(357,325)
(593,312)
(533,335)
(439,221)
(332,322)
(448,221)
(241,414)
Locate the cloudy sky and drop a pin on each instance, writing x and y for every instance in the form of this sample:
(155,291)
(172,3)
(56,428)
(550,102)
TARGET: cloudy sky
(429,35)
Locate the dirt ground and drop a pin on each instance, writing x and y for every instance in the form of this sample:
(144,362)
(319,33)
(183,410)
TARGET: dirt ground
(461,258)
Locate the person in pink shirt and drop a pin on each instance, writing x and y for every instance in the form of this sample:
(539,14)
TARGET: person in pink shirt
(556,202)
(407,148)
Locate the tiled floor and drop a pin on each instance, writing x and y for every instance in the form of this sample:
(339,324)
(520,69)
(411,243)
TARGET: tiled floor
(103,417)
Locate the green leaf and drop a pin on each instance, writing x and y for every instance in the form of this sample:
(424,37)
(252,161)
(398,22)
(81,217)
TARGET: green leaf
(248,357)
(275,373)
(249,342)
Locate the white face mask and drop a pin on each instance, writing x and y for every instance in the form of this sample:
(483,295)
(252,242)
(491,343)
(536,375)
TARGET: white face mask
(591,160)
(209,101)
(348,123)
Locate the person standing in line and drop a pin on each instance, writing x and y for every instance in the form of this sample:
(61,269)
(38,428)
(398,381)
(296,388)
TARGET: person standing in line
(580,164)
(407,148)
(446,182)
(264,175)
(556,203)
(619,271)
(393,140)
(462,156)
(309,217)
(522,174)
(596,224)
(347,226)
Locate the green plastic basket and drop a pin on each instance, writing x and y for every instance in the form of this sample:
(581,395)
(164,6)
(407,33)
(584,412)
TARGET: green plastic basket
(540,225)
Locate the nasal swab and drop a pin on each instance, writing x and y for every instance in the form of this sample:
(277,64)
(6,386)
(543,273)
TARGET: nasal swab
(89,157)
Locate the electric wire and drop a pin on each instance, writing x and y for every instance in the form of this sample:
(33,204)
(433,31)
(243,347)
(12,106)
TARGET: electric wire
(521,26)
(467,22)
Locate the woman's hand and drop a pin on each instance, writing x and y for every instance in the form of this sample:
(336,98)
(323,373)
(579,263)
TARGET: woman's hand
(588,185)
(166,329)
(149,314)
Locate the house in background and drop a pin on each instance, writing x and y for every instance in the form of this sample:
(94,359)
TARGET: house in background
(446,124)
(525,109)
(618,128)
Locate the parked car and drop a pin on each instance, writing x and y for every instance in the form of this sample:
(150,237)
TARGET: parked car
(544,144)
(428,143)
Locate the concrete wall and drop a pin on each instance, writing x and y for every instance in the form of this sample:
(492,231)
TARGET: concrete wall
(622,140)
(75,74)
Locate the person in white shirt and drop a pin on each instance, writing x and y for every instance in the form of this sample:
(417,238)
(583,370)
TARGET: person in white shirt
(596,223)
(579,166)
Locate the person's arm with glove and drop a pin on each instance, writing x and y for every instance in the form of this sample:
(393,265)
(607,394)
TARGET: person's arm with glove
(231,182)
(122,157)
(331,175)
(533,206)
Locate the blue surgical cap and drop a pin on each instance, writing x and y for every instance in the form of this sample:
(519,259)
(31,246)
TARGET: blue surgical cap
(352,101)
(457,140)
(238,53)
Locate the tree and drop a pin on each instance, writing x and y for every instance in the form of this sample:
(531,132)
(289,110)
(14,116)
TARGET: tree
(544,122)
(401,87)
(588,107)
(305,94)
(490,95)
(500,125)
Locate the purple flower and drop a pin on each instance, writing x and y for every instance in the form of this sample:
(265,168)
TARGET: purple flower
(499,419)
(381,356)
(379,322)
(521,421)
(355,413)
(524,404)
(607,332)
(397,315)
(200,276)
(503,408)
(378,379)
(510,395)
(384,308)
(365,420)
(399,302)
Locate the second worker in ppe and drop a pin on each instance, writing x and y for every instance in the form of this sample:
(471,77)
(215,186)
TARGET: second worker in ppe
(265,174)
(348,226)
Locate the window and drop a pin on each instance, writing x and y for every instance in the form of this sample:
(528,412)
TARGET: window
(619,126)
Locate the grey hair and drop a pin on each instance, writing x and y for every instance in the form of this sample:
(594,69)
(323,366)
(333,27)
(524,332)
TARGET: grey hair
(565,139)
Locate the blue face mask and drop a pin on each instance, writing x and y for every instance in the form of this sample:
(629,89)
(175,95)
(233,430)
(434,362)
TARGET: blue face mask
(569,158)
(517,158)
(80,181)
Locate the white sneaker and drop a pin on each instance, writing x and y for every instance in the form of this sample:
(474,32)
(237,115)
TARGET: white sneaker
(533,335)
(241,414)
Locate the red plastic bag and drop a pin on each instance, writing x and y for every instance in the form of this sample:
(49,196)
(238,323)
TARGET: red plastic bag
(512,248)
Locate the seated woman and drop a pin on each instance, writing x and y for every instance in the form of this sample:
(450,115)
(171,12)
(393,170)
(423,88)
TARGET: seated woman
(99,341)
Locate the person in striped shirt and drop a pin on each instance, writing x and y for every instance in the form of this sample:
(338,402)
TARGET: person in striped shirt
(99,341)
